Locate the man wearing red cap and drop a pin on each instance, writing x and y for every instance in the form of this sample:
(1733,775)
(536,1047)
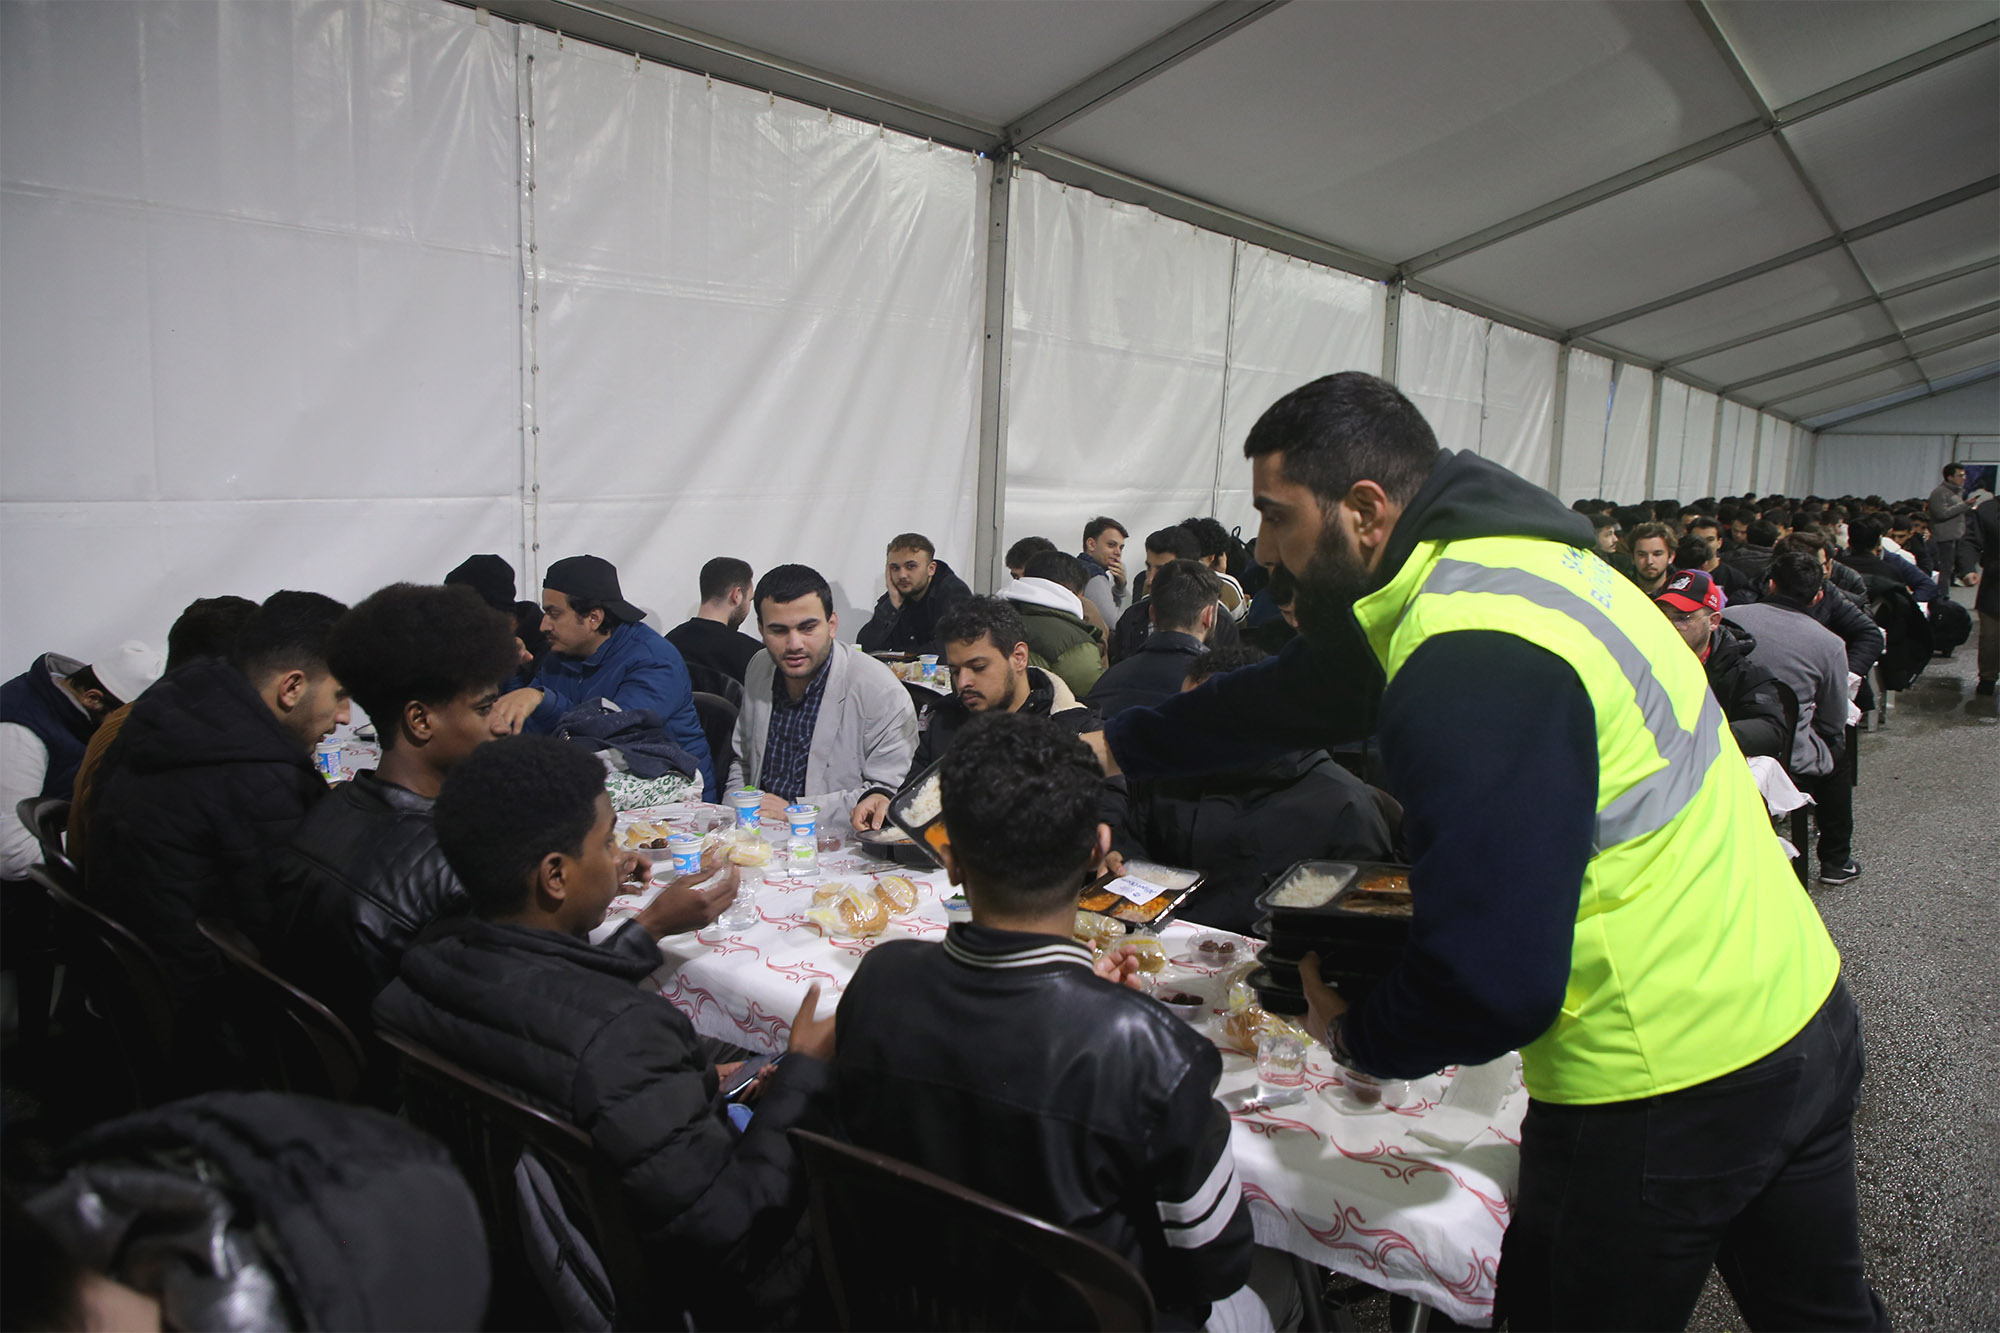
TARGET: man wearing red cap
(1751,697)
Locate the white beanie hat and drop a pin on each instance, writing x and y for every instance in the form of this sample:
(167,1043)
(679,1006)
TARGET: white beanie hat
(127,672)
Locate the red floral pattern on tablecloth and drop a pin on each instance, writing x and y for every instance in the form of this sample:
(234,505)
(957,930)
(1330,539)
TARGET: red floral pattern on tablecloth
(1364,1199)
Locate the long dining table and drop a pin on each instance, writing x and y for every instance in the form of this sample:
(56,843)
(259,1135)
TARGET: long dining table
(1355,1189)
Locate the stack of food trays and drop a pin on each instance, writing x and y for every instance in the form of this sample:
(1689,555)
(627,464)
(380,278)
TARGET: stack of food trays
(1354,915)
(1099,899)
(918,810)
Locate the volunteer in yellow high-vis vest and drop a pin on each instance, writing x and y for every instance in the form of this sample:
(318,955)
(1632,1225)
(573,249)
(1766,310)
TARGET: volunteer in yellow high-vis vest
(1596,881)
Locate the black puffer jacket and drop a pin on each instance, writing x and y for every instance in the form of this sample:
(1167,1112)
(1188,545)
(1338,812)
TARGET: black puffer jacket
(1240,829)
(362,880)
(197,800)
(1135,626)
(1751,697)
(567,1026)
(912,627)
(265,1211)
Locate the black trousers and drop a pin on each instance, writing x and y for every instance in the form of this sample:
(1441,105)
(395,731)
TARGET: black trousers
(1621,1208)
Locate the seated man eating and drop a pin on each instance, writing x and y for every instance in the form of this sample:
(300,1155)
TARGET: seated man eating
(516,994)
(600,649)
(1003,1059)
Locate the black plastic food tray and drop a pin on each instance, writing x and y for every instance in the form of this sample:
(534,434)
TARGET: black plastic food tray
(1338,951)
(1328,922)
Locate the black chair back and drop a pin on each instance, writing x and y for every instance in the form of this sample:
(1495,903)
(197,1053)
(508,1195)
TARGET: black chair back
(47,818)
(122,984)
(296,1043)
(488,1129)
(718,724)
(705,679)
(922,698)
(973,1263)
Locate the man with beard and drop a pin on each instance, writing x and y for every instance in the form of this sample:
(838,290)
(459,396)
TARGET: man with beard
(821,723)
(1652,556)
(986,645)
(1594,876)
(1750,696)
(922,588)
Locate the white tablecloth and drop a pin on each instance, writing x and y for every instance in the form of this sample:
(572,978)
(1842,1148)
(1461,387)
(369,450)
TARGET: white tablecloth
(1351,1191)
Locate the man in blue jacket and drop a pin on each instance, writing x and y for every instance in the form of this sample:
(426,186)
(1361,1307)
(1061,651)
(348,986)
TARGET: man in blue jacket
(599,649)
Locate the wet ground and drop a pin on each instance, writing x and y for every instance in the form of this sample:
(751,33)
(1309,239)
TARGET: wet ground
(1919,934)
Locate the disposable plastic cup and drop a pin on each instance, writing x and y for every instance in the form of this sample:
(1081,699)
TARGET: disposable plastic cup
(802,819)
(686,849)
(746,803)
(1281,1068)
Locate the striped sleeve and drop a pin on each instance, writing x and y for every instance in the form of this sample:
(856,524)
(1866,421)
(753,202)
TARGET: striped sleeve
(1203,1215)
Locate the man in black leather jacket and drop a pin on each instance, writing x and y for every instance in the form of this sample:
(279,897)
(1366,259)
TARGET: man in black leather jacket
(1003,1060)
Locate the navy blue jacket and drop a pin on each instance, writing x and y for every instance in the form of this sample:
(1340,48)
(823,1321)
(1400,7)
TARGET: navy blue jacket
(1489,742)
(634,668)
(34,700)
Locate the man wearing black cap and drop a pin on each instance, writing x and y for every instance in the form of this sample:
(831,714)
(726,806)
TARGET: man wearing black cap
(493,579)
(599,649)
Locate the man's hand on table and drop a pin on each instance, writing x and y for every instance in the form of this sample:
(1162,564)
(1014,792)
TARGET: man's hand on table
(812,1035)
(685,905)
(773,807)
(1119,966)
(1323,1002)
(870,812)
(511,710)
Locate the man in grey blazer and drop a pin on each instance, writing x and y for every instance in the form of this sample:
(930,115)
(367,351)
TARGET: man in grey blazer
(1958,554)
(821,722)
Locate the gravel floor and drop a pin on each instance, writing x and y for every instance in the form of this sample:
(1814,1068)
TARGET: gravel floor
(1918,933)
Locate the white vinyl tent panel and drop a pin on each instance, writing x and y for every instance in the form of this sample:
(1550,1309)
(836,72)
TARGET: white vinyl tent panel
(1895,467)
(1742,463)
(1586,411)
(1673,442)
(1290,322)
(271,255)
(1698,450)
(1627,435)
(1518,430)
(1441,367)
(1121,323)
(759,330)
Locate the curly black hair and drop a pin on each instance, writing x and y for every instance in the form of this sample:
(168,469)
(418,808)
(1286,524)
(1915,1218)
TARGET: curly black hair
(410,642)
(1019,794)
(507,805)
(207,628)
(1219,661)
(994,617)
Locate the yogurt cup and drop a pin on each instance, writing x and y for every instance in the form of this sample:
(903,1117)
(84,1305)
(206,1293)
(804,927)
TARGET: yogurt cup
(746,802)
(802,818)
(686,850)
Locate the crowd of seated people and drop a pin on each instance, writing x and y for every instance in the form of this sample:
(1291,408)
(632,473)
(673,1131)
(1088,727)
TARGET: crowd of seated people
(1791,602)
(445,895)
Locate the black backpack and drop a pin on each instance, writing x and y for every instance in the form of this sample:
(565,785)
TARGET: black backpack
(1951,625)
(1906,632)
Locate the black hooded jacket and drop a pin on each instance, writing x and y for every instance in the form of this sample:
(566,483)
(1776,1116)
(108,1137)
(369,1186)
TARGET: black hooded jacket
(1753,700)
(1489,742)
(912,627)
(197,800)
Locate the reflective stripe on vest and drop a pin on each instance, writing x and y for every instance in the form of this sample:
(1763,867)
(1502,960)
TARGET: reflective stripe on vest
(1652,802)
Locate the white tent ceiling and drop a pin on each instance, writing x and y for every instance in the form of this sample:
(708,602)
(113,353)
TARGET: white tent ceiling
(1795,203)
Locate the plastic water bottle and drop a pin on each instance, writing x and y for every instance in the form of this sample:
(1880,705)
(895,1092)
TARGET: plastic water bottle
(802,858)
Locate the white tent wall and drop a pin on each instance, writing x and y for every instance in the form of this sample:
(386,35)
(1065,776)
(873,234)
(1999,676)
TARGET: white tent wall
(1290,322)
(1627,434)
(1723,473)
(1895,467)
(262,297)
(1120,332)
(1799,475)
(1518,431)
(1671,441)
(1586,412)
(1774,457)
(1742,473)
(1697,447)
(758,334)
(1143,349)
(1484,387)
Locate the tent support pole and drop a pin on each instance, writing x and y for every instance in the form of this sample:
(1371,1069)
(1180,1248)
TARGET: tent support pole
(1653,441)
(988,548)
(1715,454)
(1756,453)
(1392,318)
(1559,419)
